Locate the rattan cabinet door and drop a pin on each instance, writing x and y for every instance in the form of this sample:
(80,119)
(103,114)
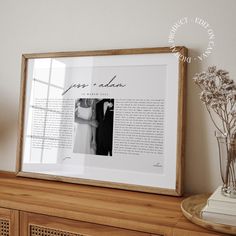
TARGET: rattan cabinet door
(9,222)
(41,225)
(35,230)
(4,227)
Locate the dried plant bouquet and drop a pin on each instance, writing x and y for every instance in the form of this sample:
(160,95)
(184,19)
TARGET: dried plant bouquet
(218,93)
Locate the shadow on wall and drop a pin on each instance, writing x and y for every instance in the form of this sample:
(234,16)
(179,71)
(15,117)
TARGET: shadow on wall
(198,158)
(8,121)
(8,136)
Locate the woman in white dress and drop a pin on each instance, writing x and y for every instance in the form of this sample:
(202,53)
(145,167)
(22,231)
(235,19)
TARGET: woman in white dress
(85,117)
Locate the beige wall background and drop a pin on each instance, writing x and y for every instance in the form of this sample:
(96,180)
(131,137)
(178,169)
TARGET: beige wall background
(28,26)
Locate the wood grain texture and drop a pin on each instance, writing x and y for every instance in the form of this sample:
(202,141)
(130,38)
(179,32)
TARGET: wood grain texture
(187,228)
(21,113)
(181,232)
(13,217)
(180,146)
(109,207)
(142,212)
(177,190)
(192,207)
(127,51)
(72,226)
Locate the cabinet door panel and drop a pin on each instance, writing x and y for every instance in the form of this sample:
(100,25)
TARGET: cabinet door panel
(9,222)
(42,225)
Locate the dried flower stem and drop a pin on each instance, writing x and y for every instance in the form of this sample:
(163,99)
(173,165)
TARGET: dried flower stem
(214,121)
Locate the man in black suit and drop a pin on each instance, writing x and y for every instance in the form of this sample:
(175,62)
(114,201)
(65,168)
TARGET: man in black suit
(104,132)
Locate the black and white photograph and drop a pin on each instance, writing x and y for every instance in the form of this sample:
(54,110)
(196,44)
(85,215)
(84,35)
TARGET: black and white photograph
(93,126)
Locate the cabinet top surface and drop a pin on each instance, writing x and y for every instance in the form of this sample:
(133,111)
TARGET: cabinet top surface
(126,209)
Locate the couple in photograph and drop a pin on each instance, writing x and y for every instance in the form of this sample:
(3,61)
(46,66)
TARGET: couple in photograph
(94,121)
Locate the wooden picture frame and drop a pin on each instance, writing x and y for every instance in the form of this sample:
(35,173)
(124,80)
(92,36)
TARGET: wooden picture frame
(65,91)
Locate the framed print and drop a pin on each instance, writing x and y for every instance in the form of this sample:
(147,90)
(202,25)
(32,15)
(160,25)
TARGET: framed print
(112,118)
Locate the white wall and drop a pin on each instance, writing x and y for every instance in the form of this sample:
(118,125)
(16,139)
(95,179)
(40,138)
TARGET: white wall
(28,26)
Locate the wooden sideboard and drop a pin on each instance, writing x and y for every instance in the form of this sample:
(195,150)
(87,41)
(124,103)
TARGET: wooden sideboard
(31,207)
